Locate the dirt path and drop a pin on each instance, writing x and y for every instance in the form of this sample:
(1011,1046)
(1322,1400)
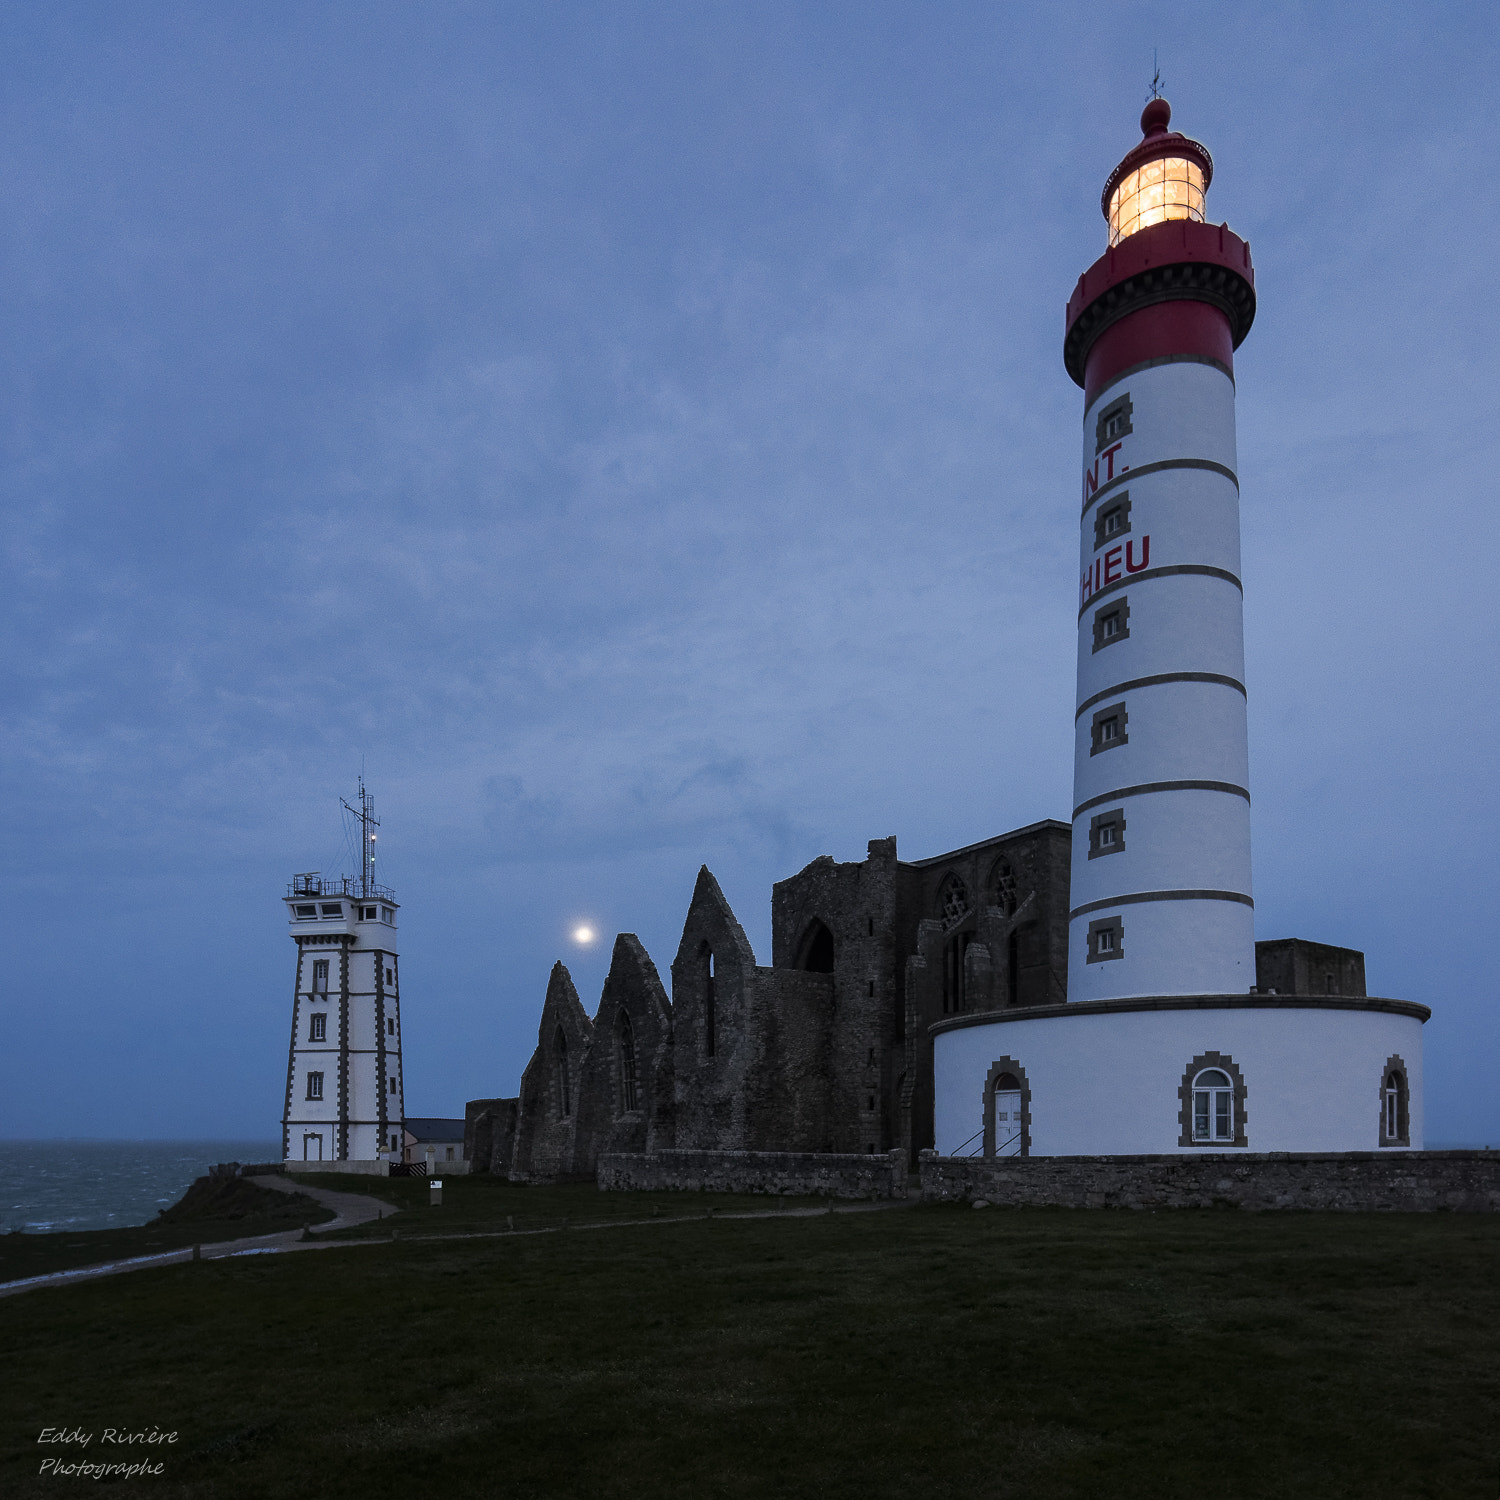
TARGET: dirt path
(350,1208)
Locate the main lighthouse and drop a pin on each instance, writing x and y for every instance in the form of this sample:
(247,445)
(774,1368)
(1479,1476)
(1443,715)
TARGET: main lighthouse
(1161,898)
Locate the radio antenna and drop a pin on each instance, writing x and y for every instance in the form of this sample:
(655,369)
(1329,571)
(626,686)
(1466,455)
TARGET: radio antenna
(365,812)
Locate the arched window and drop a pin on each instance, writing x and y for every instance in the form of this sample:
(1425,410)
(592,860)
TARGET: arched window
(706,964)
(560,1065)
(1005,888)
(628,1100)
(1212,1096)
(953,901)
(1395,1110)
(954,951)
(817,949)
(1213,1106)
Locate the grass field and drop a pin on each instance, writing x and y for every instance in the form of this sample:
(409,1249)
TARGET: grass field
(929,1352)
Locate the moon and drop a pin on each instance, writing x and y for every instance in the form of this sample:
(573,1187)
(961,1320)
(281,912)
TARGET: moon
(584,934)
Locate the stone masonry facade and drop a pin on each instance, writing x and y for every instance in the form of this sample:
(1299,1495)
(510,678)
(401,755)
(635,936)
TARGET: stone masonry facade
(826,1050)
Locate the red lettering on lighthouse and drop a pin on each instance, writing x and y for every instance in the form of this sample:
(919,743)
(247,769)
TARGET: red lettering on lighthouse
(1109,453)
(1112,565)
(1090,481)
(1131,565)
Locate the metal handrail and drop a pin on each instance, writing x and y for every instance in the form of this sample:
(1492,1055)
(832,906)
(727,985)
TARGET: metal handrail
(314,884)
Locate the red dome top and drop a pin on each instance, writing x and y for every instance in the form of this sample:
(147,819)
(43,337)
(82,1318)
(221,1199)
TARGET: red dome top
(1158,142)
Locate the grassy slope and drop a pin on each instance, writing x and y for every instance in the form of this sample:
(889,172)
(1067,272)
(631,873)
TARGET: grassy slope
(207,1213)
(485,1204)
(935,1353)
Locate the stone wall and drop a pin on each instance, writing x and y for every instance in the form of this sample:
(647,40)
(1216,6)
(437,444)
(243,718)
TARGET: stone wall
(799,1173)
(1293,966)
(546,1113)
(825,1051)
(1356,1181)
(625,1077)
(490,1134)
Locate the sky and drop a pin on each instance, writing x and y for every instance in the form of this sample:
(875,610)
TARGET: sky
(637,437)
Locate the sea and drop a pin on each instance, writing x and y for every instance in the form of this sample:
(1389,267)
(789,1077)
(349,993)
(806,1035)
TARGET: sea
(52,1186)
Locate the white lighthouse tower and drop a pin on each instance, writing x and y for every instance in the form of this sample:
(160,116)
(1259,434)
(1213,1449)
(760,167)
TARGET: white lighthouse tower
(1167,1043)
(1161,901)
(344,1095)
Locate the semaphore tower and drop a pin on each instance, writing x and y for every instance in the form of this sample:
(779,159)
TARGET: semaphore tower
(1161,900)
(344,1096)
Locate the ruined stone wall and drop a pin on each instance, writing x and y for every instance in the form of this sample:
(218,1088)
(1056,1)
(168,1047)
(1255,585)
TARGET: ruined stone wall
(826,1050)
(792,1094)
(794,1173)
(716,1045)
(625,1078)
(841,919)
(546,1114)
(489,1134)
(1360,1181)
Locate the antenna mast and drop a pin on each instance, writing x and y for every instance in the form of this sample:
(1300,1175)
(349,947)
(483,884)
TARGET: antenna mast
(365,812)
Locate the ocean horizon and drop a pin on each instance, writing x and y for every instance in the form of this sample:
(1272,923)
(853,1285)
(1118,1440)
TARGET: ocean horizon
(77,1183)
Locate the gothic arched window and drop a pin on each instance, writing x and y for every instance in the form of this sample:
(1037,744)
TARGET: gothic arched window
(560,1065)
(955,951)
(628,1100)
(706,975)
(953,901)
(1004,882)
(817,949)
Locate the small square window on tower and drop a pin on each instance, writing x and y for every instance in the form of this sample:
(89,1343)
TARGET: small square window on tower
(1113,423)
(317,1027)
(369,914)
(314,1085)
(1111,519)
(390,1025)
(1106,940)
(1107,833)
(1108,730)
(1111,624)
(320,976)
(391,1085)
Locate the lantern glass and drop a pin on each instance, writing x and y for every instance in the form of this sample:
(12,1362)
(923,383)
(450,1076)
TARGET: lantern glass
(1171,187)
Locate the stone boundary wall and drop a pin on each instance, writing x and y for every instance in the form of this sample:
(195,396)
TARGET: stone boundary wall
(799,1173)
(1354,1181)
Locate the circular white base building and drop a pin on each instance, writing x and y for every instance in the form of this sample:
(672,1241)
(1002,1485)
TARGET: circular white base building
(1181,1073)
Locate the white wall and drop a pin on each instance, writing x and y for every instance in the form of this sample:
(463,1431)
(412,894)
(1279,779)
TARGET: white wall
(1106,1083)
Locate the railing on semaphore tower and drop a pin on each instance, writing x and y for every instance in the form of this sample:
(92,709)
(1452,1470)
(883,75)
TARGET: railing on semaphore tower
(315,884)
